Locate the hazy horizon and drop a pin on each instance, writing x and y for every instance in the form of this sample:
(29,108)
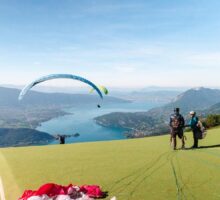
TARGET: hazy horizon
(84,88)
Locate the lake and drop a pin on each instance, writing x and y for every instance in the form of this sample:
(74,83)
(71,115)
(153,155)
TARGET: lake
(81,121)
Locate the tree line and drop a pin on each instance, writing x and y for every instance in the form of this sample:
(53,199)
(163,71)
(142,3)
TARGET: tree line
(211,121)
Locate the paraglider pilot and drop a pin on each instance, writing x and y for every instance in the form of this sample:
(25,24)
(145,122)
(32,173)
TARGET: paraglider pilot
(193,124)
(61,138)
(177,124)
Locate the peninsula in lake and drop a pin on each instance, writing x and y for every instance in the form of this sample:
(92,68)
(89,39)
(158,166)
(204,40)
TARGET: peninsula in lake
(155,121)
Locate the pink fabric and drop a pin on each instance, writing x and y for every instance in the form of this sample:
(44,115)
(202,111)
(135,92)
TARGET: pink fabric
(52,190)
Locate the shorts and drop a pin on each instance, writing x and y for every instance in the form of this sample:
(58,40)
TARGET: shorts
(178,133)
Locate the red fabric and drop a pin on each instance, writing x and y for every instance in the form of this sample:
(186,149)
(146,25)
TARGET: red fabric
(93,191)
(51,190)
(27,194)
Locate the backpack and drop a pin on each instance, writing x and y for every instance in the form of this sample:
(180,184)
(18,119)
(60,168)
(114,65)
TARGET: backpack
(176,122)
(202,129)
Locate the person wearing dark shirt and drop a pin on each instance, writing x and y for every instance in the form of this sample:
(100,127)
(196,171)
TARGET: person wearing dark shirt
(177,124)
(61,138)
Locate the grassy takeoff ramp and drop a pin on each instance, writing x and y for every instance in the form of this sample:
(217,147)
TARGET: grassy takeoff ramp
(138,169)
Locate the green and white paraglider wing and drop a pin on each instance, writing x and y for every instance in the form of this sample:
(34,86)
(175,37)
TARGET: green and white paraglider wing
(103,89)
(58,76)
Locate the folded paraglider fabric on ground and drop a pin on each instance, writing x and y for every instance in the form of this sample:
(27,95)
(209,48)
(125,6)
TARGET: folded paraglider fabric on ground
(51,191)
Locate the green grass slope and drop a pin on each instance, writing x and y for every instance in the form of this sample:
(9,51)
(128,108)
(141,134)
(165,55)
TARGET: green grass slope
(137,169)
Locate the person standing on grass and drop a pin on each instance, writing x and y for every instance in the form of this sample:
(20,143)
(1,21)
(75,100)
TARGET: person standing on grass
(194,125)
(61,139)
(177,124)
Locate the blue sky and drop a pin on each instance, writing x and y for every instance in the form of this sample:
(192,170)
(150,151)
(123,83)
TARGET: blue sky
(121,43)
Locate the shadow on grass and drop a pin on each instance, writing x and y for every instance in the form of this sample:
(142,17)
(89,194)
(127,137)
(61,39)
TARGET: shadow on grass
(203,147)
(210,146)
(105,195)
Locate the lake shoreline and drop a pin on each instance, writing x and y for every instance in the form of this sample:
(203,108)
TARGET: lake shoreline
(82,120)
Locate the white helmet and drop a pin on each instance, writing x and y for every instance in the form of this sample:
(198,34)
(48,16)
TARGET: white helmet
(192,112)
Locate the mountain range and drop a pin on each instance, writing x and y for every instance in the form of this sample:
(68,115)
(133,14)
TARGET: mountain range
(9,97)
(18,119)
(38,107)
(155,121)
(23,137)
(157,96)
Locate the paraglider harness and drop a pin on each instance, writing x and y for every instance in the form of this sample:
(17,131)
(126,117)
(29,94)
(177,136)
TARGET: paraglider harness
(202,130)
(198,128)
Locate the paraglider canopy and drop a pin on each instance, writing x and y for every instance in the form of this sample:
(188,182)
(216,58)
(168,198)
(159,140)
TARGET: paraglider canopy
(58,76)
(102,88)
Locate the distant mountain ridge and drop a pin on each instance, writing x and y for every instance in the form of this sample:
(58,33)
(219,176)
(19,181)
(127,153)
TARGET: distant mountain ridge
(194,99)
(9,97)
(18,119)
(37,107)
(215,109)
(160,96)
(203,100)
(23,137)
(198,98)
